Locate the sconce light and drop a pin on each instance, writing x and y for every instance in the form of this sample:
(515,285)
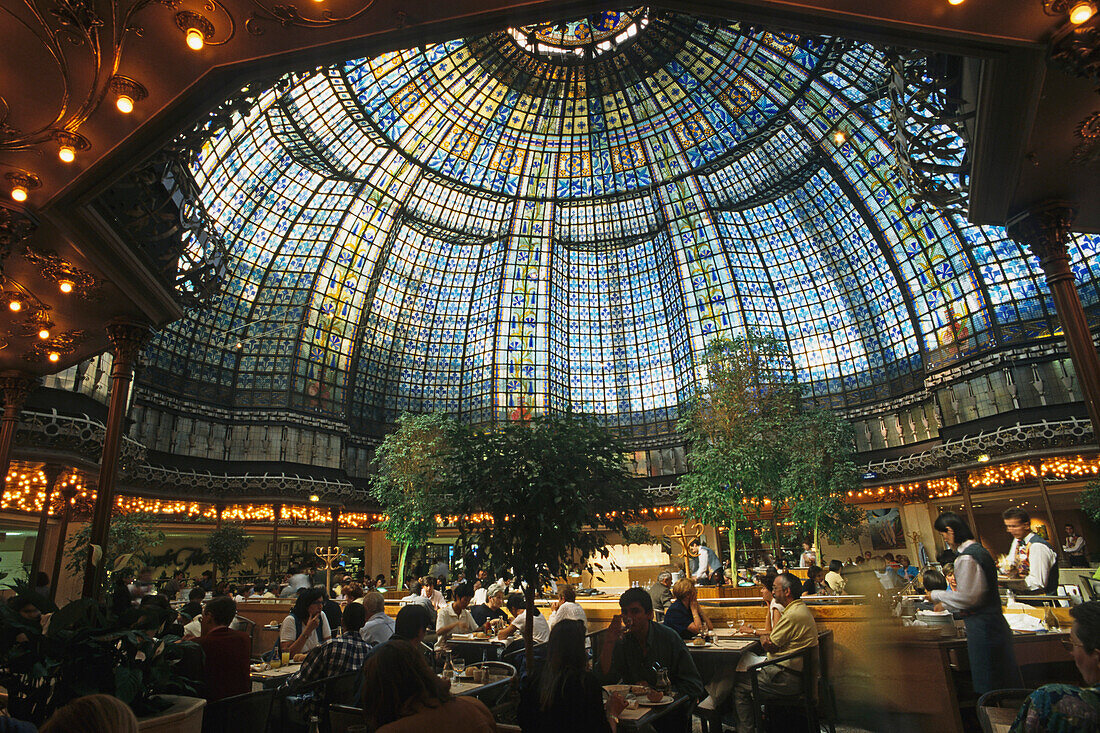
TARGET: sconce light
(1082,12)
(983,458)
(53,356)
(127,92)
(197,30)
(22,183)
(69,144)
(65,286)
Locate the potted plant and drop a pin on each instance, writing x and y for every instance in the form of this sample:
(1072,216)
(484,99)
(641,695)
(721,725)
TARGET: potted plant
(87,651)
(226,546)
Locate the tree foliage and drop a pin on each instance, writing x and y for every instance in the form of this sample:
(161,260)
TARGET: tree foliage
(752,441)
(539,496)
(410,479)
(127,535)
(1090,501)
(226,546)
(734,430)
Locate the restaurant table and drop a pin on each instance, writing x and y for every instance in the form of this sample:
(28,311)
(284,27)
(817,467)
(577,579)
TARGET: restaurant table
(273,677)
(721,655)
(467,687)
(475,650)
(643,717)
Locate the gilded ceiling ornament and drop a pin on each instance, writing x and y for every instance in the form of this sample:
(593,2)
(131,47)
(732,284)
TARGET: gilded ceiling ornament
(62,344)
(1088,152)
(15,226)
(291,15)
(69,277)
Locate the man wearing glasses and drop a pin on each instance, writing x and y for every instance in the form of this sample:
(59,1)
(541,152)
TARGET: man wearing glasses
(1066,707)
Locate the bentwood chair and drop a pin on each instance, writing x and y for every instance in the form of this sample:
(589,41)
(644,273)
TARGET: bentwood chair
(1010,699)
(250,711)
(343,717)
(495,692)
(803,702)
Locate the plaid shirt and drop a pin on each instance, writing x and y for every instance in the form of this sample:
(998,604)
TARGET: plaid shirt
(345,653)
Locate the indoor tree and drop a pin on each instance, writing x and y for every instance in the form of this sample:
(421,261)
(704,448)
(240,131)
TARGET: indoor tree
(734,428)
(821,471)
(540,494)
(226,546)
(127,534)
(411,471)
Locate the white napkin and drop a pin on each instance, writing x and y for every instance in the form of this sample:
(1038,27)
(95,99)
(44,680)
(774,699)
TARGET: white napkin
(1023,622)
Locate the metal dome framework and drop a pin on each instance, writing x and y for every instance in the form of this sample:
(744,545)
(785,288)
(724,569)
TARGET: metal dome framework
(483,229)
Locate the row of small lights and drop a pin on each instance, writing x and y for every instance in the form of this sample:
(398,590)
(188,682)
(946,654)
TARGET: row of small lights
(1057,468)
(915,491)
(25,490)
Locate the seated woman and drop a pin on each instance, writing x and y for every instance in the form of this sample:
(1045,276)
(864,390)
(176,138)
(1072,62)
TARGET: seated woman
(401,694)
(932,579)
(684,616)
(1066,707)
(563,695)
(815,584)
(766,581)
(305,626)
(835,579)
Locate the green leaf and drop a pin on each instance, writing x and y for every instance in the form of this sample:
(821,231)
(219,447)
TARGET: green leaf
(128,684)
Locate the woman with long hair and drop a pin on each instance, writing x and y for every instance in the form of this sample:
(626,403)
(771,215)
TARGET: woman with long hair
(563,695)
(401,694)
(305,626)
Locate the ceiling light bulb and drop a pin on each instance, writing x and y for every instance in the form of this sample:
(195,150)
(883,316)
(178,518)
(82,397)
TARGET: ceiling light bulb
(195,39)
(65,286)
(839,137)
(44,334)
(125,104)
(1082,13)
(954,2)
(54,356)
(983,458)
(67,153)
(19,192)
(314,497)
(15,306)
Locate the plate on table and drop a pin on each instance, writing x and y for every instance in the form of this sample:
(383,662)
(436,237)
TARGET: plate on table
(645,702)
(621,689)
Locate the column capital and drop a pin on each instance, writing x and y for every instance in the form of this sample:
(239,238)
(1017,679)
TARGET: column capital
(68,493)
(1045,231)
(15,387)
(127,339)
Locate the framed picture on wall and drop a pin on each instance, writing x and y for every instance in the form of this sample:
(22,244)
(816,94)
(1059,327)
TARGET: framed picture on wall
(886,530)
(298,547)
(284,549)
(271,549)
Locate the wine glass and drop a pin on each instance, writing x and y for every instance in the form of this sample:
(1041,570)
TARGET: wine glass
(459,666)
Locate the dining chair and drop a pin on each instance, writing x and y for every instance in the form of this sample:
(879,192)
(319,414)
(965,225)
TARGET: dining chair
(1009,698)
(826,692)
(803,702)
(250,711)
(343,717)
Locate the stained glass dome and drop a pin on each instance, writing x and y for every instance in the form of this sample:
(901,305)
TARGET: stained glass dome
(559,217)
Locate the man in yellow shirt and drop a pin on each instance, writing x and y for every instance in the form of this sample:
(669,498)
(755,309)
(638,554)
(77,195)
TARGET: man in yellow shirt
(795,630)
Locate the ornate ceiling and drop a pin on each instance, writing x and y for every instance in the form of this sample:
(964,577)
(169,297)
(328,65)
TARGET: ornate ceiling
(59,59)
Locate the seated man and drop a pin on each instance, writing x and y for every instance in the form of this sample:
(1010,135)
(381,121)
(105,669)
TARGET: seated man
(416,596)
(634,646)
(454,617)
(540,632)
(795,630)
(193,608)
(379,627)
(225,669)
(1066,707)
(566,607)
(491,609)
(660,592)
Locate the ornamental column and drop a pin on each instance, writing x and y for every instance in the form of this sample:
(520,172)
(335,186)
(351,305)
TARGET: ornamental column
(53,473)
(67,495)
(127,339)
(15,386)
(1045,231)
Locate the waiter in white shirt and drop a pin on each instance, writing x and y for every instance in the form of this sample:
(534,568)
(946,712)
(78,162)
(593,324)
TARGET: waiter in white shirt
(702,570)
(1034,558)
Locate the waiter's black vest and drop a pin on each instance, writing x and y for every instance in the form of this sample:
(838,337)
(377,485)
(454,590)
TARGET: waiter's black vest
(1051,587)
(990,601)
